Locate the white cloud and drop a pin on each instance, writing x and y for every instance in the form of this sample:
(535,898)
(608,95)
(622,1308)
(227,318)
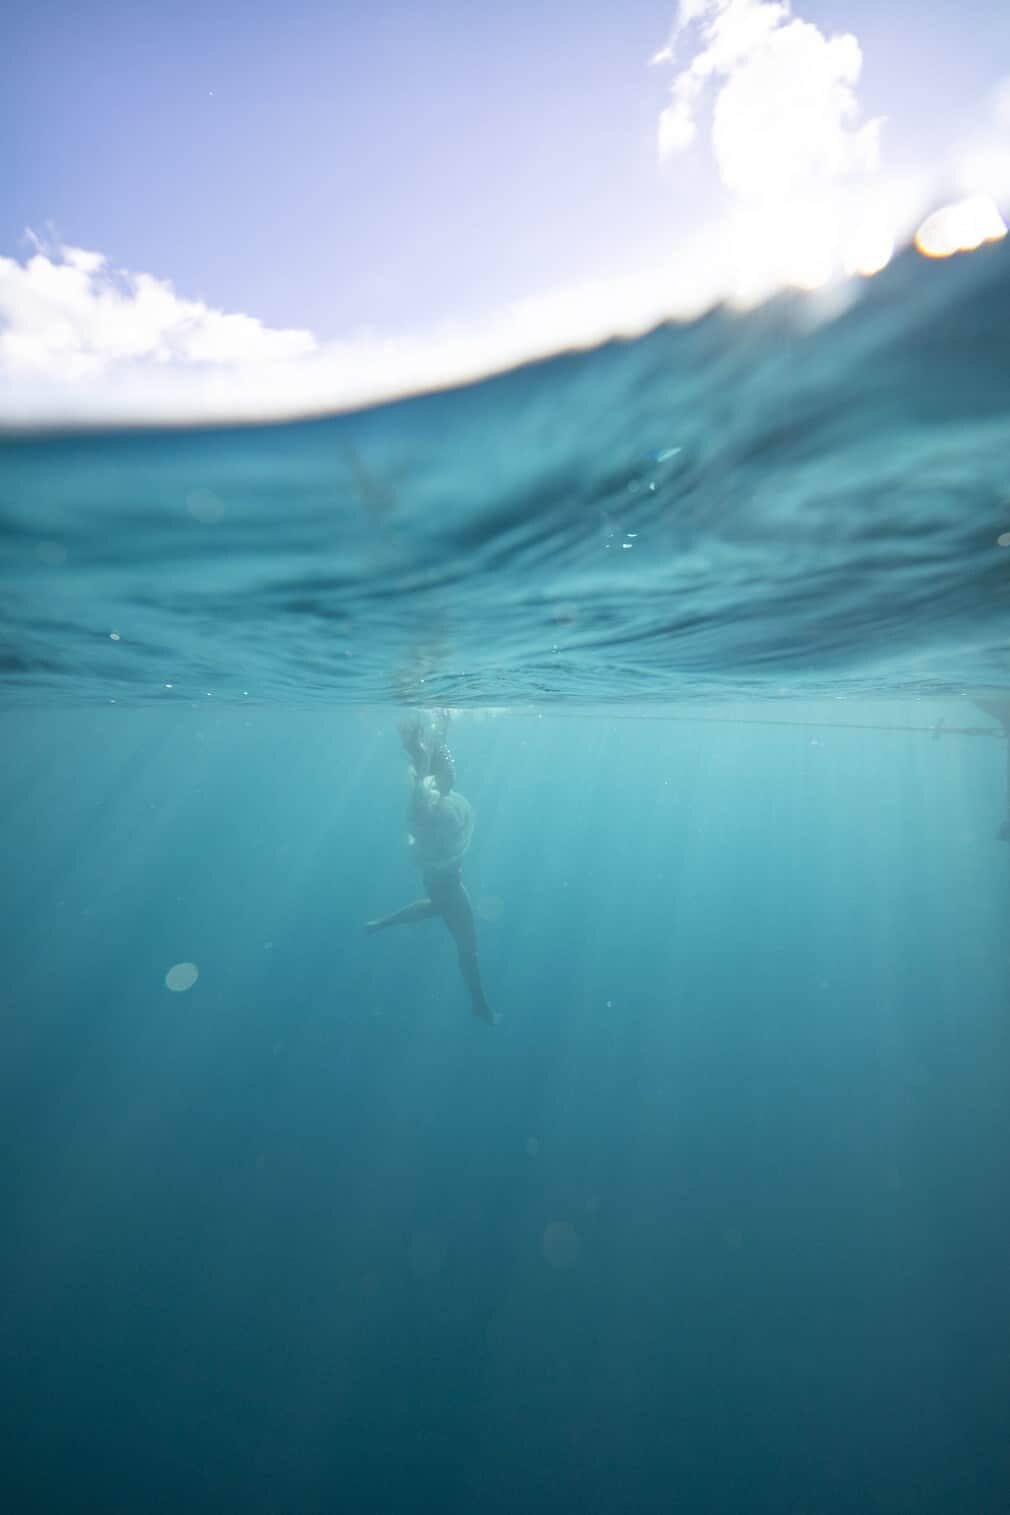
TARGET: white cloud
(785,112)
(77,257)
(676,128)
(66,311)
(79,343)
(790,146)
(787,117)
(83,342)
(806,198)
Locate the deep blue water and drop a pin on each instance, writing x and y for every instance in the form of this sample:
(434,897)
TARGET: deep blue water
(715,1219)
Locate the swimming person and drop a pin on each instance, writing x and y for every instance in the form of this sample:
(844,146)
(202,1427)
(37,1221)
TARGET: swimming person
(441,827)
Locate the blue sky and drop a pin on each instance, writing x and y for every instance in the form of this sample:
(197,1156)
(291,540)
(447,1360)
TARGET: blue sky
(338,169)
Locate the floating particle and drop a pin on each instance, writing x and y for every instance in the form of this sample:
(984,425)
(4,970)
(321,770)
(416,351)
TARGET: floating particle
(1003,540)
(181,976)
(561,1244)
(114,636)
(205,507)
(667,454)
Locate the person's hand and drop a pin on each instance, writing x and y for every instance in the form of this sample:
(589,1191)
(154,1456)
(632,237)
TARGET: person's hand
(413,743)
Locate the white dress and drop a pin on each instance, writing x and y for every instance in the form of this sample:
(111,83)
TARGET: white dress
(441,827)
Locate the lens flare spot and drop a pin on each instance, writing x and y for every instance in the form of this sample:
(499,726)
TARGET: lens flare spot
(181,976)
(961,227)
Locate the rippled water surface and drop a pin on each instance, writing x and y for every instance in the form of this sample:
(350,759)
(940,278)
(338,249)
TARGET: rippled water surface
(798,498)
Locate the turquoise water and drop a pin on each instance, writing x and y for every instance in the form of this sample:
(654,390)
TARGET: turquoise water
(715,1218)
(738,506)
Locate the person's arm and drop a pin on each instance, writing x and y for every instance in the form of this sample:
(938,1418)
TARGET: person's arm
(412,739)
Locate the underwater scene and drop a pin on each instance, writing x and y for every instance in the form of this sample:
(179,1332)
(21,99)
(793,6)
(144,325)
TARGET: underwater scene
(506,962)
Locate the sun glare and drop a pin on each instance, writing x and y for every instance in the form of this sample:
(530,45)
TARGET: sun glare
(961,227)
(867,251)
(807,246)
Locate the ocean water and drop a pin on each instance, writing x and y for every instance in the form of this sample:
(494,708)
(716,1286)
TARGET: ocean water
(748,504)
(715,1218)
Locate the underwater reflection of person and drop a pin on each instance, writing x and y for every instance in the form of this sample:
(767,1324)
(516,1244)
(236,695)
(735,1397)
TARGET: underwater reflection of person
(997,705)
(441,828)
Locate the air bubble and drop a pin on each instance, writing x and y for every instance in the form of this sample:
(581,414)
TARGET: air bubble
(205,507)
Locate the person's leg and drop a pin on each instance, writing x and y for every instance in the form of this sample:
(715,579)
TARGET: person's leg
(452,902)
(419,910)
